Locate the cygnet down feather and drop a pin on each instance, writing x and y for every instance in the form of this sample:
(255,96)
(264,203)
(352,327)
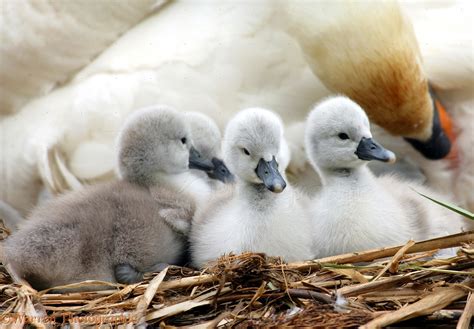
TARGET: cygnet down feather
(100,231)
(355,210)
(262,213)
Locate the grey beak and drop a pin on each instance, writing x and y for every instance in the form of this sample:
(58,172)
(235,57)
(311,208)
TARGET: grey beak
(270,176)
(369,149)
(220,171)
(197,162)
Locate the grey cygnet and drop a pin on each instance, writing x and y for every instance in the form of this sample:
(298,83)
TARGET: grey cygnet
(115,231)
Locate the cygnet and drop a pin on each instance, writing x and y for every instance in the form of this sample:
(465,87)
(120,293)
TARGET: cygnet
(115,231)
(262,213)
(207,141)
(355,210)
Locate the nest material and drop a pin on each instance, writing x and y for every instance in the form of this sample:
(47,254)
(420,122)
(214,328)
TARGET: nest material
(251,290)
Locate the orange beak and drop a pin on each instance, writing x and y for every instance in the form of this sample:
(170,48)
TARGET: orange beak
(446,122)
(448,127)
(441,144)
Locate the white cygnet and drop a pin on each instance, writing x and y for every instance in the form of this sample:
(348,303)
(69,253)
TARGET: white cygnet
(262,213)
(115,231)
(355,210)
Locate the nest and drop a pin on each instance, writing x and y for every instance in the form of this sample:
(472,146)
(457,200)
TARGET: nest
(375,288)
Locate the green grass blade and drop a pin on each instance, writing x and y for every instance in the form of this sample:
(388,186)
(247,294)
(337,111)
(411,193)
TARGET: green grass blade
(450,206)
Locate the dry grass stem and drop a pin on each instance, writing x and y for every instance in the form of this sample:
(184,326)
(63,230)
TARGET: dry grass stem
(466,316)
(435,301)
(252,290)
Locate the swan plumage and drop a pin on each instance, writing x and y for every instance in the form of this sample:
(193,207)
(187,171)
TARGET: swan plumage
(242,56)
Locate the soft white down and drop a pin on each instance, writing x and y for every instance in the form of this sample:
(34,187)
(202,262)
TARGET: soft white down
(259,214)
(354,210)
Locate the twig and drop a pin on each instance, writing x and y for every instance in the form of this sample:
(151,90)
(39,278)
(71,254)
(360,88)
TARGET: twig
(229,298)
(466,316)
(147,297)
(415,267)
(435,301)
(184,306)
(370,255)
(125,291)
(183,283)
(363,288)
(308,294)
(393,264)
(350,273)
(349,267)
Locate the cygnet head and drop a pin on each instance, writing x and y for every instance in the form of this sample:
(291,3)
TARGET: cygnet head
(252,146)
(338,136)
(207,141)
(156,141)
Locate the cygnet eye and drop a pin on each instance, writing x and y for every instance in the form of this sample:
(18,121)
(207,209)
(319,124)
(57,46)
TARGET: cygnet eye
(343,136)
(245,151)
(184,140)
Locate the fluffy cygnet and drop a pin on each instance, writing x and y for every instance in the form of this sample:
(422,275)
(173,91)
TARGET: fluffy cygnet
(262,213)
(173,166)
(115,231)
(207,141)
(355,210)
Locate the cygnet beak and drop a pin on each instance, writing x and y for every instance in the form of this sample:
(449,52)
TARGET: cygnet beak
(196,161)
(270,176)
(220,171)
(369,149)
(438,145)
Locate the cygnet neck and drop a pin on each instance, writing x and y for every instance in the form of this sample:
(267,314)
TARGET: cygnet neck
(257,196)
(343,175)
